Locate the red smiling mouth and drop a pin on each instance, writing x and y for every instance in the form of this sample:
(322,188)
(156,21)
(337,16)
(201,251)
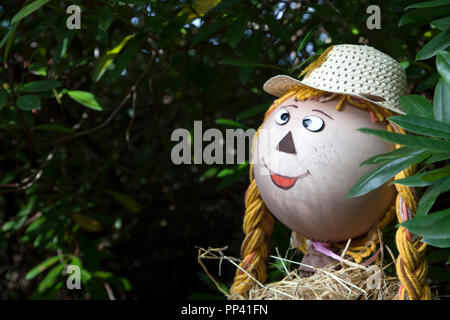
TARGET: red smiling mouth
(284,182)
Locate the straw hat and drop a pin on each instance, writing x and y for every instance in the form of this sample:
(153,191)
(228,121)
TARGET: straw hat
(356,70)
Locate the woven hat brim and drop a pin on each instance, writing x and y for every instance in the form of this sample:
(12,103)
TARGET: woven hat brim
(280,84)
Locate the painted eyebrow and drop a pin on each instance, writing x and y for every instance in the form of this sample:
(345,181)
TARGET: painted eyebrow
(290,105)
(322,113)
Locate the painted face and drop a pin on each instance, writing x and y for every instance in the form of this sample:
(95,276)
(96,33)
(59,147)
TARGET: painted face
(307,158)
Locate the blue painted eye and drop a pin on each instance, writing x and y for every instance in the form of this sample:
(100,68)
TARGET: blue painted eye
(282,117)
(313,123)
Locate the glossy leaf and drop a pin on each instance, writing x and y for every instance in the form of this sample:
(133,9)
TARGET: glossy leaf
(423,126)
(440,42)
(27,10)
(441,24)
(425,178)
(441,107)
(423,16)
(410,140)
(434,228)
(443,65)
(375,178)
(428,4)
(416,105)
(86,99)
(388,156)
(429,197)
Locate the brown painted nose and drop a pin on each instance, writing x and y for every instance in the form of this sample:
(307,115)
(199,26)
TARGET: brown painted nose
(287,144)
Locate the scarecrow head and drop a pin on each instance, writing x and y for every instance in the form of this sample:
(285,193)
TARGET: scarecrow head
(307,155)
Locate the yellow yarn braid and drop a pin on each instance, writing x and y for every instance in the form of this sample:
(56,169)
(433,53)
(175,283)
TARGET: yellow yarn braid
(258,222)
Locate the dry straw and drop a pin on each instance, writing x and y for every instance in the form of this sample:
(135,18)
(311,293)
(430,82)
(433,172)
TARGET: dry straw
(344,280)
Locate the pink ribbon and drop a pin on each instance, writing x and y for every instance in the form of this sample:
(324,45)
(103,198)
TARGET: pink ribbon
(322,248)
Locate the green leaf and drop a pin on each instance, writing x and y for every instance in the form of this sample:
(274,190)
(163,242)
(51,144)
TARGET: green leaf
(429,4)
(437,157)
(429,197)
(440,42)
(230,123)
(53,127)
(7,36)
(237,30)
(125,201)
(416,105)
(29,102)
(39,86)
(38,69)
(410,140)
(422,17)
(245,63)
(375,178)
(305,39)
(434,228)
(425,178)
(424,126)
(225,172)
(388,156)
(105,61)
(105,18)
(210,173)
(9,42)
(441,24)
(51,277)
(27,10)
(441,107)
(63,44)
(85,98)
(253,111)
(41,267)
(443,65)
(429,82)
(125,57)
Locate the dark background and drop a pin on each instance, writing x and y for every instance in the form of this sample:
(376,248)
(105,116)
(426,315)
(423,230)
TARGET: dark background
(110,200)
